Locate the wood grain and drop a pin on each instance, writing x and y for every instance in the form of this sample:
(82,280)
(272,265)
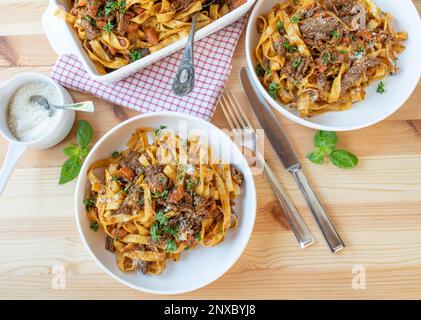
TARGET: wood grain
(376,206)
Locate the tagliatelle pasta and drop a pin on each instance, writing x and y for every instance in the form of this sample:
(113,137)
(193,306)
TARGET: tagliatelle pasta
(155,200)
(116,33)
(316,56)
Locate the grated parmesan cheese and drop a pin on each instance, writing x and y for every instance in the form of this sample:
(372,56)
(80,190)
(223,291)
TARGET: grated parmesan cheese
(28,122)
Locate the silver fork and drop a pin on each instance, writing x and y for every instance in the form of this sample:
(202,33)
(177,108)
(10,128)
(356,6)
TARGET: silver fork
(238,122)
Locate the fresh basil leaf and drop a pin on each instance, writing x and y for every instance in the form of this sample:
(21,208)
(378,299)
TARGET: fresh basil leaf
(84,133)
(343,159)
(72,150)
(316,156)
(325,140)
(70,169)
(84,152)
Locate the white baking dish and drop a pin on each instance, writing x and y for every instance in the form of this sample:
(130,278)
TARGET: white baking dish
(64,40)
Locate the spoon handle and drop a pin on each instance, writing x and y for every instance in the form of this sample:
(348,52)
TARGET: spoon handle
(87,106)
(184,79)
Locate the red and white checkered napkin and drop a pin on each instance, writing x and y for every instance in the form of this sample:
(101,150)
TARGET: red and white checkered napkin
(150,89)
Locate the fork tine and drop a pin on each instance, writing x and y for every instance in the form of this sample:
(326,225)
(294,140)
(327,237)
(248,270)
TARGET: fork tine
(227,115)
(234,106)
(233,117)
(242,113)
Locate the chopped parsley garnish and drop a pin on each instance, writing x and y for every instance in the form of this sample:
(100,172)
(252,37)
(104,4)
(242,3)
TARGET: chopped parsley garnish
(260,71)
(127,187)
(89,203)
(343,51)
(161,218)
(295,1)
(135,55)
(296,63)
(155,232)
(335,34)
(295,19)
(191,184)
(164,194)
(115,154)
(273,90)
(170,246)
(325,58)
(199,237)
(90,20)
(111,6)
(181,172)
(296,82)
(170,230)
(267,69)
(380,87)
(109,27)
(280,26)
(289,47)
(94,226)
(159,130)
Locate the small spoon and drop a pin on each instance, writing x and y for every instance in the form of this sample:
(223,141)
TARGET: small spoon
(87,106)
(184,79)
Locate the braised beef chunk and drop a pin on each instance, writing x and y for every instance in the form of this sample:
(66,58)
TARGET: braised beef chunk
(340,7)
(141,266)
(94,6)
(109,244)
(131,161)
(122,23)
(155,178)
(137,9)
(92,32)
(358,68)
(237,175)
(303,67)
(308,13)
(176,194)
(179,5)
(320,27)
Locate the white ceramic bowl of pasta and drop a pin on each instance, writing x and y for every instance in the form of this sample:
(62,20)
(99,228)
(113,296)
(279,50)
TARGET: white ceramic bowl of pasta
(375,107)
(197,267)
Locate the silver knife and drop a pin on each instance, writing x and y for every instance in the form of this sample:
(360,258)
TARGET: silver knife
(288,157)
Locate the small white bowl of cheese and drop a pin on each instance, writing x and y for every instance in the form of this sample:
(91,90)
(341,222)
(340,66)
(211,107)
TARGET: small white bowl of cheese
(27,126)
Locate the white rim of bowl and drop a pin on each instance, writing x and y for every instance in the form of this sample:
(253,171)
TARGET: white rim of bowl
(77,200)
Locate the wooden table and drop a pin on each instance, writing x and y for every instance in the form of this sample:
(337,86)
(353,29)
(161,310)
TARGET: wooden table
(376,206)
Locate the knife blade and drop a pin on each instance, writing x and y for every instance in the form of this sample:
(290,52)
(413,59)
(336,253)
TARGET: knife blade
(270,124)
(283,148)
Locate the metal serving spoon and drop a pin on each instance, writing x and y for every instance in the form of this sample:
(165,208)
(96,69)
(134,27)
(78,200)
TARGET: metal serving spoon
(87,106)
(184,79)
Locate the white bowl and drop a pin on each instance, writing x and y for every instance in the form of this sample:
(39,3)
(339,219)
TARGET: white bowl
(17,148)
(64,40)
(375,107)
(197,267)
